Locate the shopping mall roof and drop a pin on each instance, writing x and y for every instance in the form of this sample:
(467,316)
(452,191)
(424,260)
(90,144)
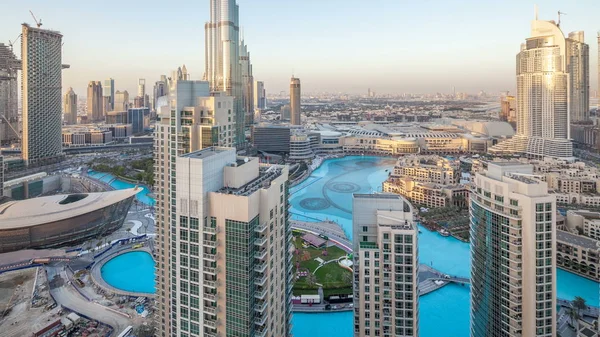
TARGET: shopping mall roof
(37,211)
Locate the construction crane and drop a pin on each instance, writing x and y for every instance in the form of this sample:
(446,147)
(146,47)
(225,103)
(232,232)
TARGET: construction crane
(11,43)
(559,14)
(38,23)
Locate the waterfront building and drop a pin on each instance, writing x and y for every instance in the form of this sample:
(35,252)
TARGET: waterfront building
(108,94)
(54,221)
(9,118)
(121,101)
(222,61)
(300,147)
(70,107)
(192,119)
(95,109)
(552,91)
(577,243)
(232,237)
(386,266)
(247,84)
(41,95)
(295,102)
(513,245)
(429,169)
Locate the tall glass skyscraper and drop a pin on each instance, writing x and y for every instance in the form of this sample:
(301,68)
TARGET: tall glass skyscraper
(223,69)
(108,93)
(513,246)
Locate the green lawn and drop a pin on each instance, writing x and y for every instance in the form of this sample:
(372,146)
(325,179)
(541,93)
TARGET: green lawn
(331,275)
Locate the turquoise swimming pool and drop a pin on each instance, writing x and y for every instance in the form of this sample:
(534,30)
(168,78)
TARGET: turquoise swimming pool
(133,271)
(327,195)
(121,185)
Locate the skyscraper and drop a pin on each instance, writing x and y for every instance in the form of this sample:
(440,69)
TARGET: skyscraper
(232,239)
(552,91)
(141,87)
(160,89)
(121,101)
(295,106)
(260,95)
(386,265)
(41,53)
(9,118)
(513,246)
(95,110)
(223,70)
(108,92)
(247,84)
(70,107)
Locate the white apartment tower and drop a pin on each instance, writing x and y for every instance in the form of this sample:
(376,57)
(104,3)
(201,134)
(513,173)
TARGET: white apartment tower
(194,120)
(41,84)
(513,245)
(223,69)
(70,107)
(386,266)
(233,258)
(9,117)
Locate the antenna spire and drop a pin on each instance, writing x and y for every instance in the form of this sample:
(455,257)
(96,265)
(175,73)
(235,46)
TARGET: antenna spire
(536,9)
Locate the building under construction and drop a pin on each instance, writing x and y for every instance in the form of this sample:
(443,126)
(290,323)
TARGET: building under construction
(9,118)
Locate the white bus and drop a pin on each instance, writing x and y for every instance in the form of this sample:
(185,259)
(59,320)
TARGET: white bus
(128,330)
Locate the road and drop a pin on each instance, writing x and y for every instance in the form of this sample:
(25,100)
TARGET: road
(66,296)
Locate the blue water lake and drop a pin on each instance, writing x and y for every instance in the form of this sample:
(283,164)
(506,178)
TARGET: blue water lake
(327,195)
(133,271)
(121,185)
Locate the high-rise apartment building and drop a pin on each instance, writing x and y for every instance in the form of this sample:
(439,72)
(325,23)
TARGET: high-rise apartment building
(231,246)
(121,101)
(41,82)
(295,106)
(223,69)
(260,95)
(108,94)
(552,91)
(386,266)
(195,119)
(513,246)
(9,118)
(70,107)
(160,89)
(247,84)
(95,109)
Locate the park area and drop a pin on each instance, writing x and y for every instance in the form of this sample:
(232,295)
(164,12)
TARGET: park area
(318,267)
(452,218)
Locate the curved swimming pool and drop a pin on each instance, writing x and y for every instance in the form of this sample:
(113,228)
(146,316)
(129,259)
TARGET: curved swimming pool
(121,185)
(132,272)
(327,195)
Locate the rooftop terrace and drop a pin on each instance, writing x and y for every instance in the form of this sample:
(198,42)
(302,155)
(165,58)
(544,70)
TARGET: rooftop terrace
(265,176)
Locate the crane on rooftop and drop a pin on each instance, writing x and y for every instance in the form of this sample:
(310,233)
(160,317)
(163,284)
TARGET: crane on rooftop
(559,14)
(38,23)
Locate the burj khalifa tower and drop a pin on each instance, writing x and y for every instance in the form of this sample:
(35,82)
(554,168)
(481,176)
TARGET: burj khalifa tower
(223,70)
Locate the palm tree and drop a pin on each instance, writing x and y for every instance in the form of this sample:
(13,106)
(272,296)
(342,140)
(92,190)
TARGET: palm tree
(574,316)
(311,279)
(579,304)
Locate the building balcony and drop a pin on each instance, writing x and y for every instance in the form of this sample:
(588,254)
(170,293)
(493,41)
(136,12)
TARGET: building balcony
(260,254)
(210,324)
(260,294)
(260,267)
(261,332)
(210,297)
(260,241)
(260,307)
(210,284)
(210,270)
(211,230)
(209,243)
(261,228)
(260,321)
(210,257)
(210,310)
(260,281)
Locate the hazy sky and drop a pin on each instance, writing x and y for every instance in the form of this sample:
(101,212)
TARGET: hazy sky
(391,46)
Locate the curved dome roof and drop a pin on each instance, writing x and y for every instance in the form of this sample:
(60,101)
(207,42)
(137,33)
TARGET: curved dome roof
(492,129)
